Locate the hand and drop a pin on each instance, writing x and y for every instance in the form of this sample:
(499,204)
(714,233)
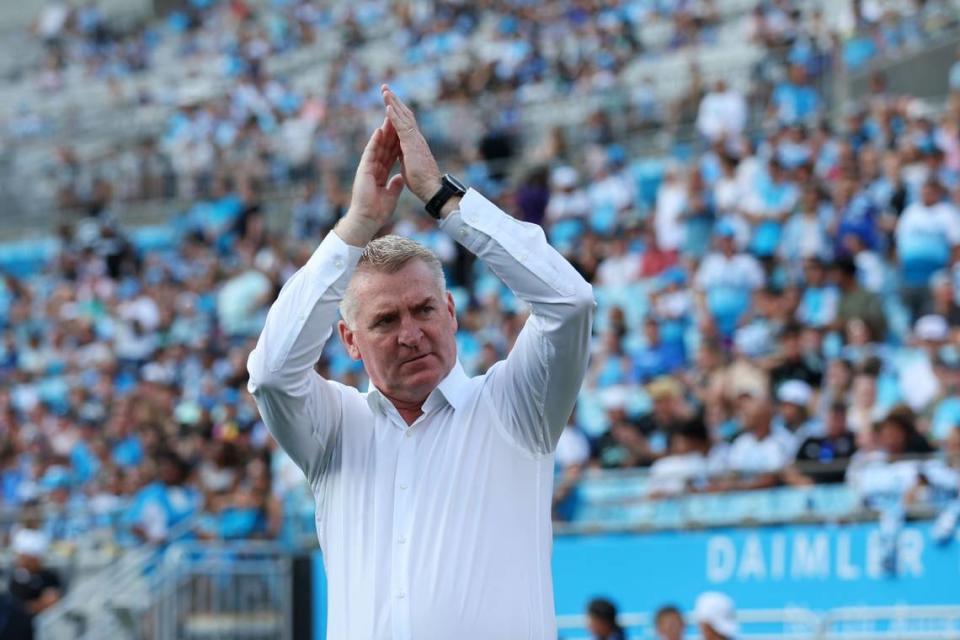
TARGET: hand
(417,164)
(375,194)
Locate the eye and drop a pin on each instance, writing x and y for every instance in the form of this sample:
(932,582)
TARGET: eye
(383,321)
(426,309)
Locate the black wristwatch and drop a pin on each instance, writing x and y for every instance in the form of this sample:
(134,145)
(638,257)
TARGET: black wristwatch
(449,187)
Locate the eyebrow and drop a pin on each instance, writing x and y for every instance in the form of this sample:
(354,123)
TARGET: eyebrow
(390,313)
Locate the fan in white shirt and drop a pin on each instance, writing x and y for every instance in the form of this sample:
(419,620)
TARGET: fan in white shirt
(433,489)
(722,113)
(759,454)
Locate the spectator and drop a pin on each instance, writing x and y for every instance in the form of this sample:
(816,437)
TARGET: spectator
(32,584)
(882,476)
(858,303)
(833,449)
(759,454)
(792,420)
(715,614)
(567,201)
(723,113)
(726,280)
(926,235)
(656,357)
(795,101)
(602,620)
(668,623)
(792,363)
(690,464)
(570,460)
(164,503)
(918,379)
(818,303)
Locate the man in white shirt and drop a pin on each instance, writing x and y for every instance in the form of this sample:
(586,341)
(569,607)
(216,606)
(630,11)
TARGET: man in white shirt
(432,489)
(759,454)
(722,113)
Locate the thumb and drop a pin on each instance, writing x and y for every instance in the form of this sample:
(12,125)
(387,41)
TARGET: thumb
(395,185)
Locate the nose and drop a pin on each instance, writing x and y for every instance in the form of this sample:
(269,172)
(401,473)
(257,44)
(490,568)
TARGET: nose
(410,333)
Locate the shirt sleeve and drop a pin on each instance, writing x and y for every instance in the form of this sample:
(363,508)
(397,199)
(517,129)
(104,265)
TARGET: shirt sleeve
(301,409)
(535,387)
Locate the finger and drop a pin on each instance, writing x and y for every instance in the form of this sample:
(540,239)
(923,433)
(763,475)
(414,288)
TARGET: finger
(405,114)
(370,151)
(401,105)
(395,186)
(405,127)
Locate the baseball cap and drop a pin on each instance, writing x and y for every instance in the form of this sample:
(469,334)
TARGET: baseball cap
(724,229)
(931,327)
(795,392)
(717,610)
(30,542)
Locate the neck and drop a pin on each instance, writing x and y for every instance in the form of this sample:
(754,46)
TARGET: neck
(408,410)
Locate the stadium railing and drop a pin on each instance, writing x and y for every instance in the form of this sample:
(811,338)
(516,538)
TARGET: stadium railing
(185,590)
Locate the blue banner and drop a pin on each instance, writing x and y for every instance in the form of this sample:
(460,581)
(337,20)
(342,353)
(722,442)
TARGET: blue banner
(817,567)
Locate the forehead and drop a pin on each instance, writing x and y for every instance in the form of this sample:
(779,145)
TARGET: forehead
(378,291)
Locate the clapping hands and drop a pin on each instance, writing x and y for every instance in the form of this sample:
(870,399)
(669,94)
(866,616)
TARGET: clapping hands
(375,192)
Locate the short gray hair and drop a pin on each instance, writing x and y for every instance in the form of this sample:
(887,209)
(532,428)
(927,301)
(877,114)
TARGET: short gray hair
(389,254)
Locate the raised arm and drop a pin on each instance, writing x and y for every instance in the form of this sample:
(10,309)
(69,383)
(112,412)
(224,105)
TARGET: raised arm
(301,409)
(535,388)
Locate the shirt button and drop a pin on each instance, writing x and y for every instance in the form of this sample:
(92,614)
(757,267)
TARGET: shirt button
(402,539)
(403,487)
(464,231)
(401,595)
(409,433)
(338,263)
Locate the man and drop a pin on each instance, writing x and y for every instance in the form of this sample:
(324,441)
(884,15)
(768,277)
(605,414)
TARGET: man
(793,420)
(793,363)
(689,464)
(716,615)
(926,234)
(669,623)
(722,114)
(602,620)
(433,489)
(832,450)
(759,454)
(858,302)
(726,280)
(32,584)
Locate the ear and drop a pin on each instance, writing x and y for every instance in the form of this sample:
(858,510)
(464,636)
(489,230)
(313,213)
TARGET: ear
(452,309)
(349,339)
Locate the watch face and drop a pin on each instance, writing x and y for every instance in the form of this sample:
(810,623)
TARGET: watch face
(456,183)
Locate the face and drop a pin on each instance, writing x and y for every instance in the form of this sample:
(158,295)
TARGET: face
(892,438)
(404,331)
(597,627)
(836,423)
(670,627)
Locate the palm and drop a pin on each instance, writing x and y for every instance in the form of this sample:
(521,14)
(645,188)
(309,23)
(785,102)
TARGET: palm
(374,192)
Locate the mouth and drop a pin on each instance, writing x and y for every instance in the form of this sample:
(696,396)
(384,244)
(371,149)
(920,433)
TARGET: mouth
(416,358)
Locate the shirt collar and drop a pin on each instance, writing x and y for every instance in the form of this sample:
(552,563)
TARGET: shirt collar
(453,389)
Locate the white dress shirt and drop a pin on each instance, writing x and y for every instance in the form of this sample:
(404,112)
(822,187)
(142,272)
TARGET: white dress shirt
(440,529)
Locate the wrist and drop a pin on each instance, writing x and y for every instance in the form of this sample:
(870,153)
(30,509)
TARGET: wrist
(355,229)
(451,205)
(430,189)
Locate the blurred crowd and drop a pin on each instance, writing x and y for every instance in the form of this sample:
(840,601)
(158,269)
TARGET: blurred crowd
(243,122)
(788,304)
(778,301)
